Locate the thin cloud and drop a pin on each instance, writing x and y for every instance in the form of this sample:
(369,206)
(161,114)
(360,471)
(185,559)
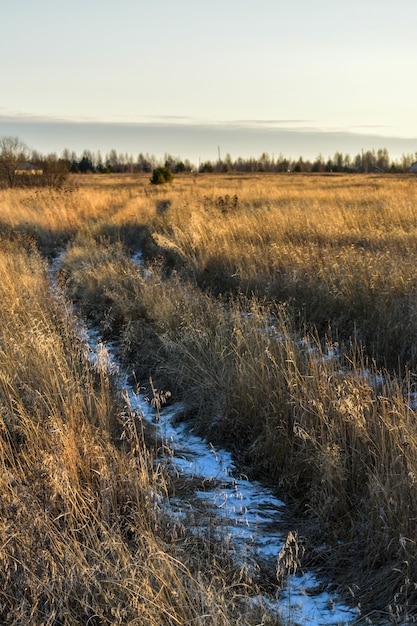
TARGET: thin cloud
(278,122)
(185,120)
(20,116)
(371,126)
(8,115)
(170,117)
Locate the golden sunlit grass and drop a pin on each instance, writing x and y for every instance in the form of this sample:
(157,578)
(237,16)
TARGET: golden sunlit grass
(265,304)
(54,216)
(341,250)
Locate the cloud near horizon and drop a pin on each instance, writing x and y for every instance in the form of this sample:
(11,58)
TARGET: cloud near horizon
(288,125)
(19,116)
(195,140)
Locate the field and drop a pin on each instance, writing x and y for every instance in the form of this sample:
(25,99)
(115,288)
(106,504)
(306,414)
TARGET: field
(281,311)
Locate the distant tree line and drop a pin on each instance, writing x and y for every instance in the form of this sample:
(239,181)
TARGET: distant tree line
(364,162)
(121,163)
(55,169)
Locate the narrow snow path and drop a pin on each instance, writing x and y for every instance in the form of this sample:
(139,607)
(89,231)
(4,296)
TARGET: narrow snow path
(248,516)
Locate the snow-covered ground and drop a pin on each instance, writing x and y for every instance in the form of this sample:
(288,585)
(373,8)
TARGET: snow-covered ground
(249,519)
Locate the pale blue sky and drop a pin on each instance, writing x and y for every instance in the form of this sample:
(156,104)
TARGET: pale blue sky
(312,68)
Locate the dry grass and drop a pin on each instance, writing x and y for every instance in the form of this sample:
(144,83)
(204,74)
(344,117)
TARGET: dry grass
(323,428)
(342,250)
(83,533)
(54,217)
(266,303)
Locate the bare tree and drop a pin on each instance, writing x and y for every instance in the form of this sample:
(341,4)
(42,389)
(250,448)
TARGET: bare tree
(12,152)
(55,170)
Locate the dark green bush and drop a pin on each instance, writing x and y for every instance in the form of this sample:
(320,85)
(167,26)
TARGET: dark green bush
(161,175)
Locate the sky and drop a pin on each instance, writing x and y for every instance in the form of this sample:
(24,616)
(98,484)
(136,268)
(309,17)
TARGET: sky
(197,78)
